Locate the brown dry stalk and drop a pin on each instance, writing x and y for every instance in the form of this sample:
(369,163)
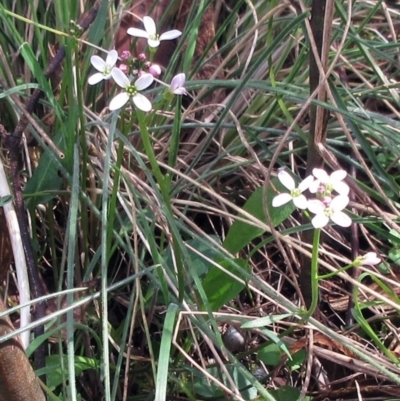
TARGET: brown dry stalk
(17,378)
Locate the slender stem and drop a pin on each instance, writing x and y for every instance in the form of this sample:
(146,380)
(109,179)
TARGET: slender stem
(144,132)
(164,184)
(314,273)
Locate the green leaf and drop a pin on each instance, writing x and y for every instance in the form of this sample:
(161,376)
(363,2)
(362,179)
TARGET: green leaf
(5,199)
(241,234)
(298,359)
(165,351)
(273,337)
(54,370)
(394,255)
(270,355)
(45,178)
(220,287)
(286,393)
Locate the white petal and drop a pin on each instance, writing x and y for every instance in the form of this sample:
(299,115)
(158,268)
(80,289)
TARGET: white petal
(286,180)
(141,102)
(144,81)
(180,91)
(339,202)
(341,188)
(315,206)
(370,258)
(112,58)
(118,101)
(305,184)
(120,78)
(341,219)
(178,81)
(300,202)
(153,42)
(98,63)
(281,199)
(338,175)
(314,186)
(170,35)
(149,25)
(320,174)
(96,78)
(320,220)
(137,33)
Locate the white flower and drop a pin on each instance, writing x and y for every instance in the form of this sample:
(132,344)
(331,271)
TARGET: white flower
(178,84)
(296,194)
(131,91)
(369,259)
(329,211)
(328,183)
(150,33)
(104,67)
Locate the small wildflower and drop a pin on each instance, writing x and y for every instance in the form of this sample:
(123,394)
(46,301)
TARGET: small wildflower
(104,67)
(123,68)
(296,194)
(125,55)
(178,84)
(150,33)
(332,211)
(130,91)
(327,183)
(155,70)
(369,259)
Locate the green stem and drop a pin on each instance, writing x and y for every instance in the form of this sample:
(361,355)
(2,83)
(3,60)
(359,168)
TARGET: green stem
(113,199)
(314,274)
(164,184)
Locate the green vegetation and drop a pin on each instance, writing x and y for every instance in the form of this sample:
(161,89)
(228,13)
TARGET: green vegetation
(169,273)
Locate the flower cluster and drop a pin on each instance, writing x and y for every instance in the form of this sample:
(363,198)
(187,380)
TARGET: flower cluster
(327,206)
(136,74)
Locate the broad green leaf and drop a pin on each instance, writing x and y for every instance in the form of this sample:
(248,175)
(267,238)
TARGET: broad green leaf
(286,393)
(270,355)
(45,178)
(241,234)
(220,287)
(298,358)
(273,337)
(54,373)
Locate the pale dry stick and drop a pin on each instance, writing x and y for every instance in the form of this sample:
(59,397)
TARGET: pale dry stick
(309,364)
(253,45)
(359,395)
(19,256)
(391,27)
